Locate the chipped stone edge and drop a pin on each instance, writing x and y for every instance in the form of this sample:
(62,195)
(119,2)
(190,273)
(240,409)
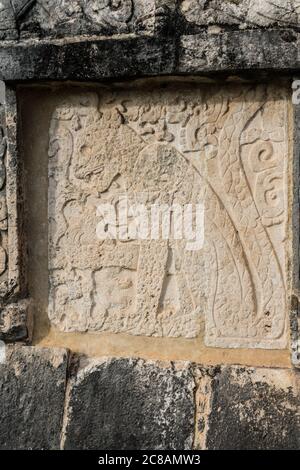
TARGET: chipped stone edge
(16,323)
(133,56)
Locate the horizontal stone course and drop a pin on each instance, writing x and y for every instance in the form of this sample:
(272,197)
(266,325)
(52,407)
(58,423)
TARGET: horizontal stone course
(114,403)
(251,54)
(135,404)
(57,18)
(92,41)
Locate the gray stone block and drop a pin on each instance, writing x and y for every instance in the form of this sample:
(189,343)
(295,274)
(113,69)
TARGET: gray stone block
(254,409)
(241,13)
(32,389)
(77,17)
(250,53)
(238,51)
(130,404)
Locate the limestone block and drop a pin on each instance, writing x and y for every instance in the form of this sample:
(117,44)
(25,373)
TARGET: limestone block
(61,18)
(130,404)
(254,409)
(223,147)
(237,50)
(135,404)
(32,388)
(16,322)
(7,20)
(101,17)
(244,13)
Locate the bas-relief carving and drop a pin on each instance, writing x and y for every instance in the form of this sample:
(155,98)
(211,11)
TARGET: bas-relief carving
(113,13)
(245,13)
(226,147)
(78,17)
(31,18)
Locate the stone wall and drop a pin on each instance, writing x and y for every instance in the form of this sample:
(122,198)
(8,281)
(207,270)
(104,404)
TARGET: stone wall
(155,342)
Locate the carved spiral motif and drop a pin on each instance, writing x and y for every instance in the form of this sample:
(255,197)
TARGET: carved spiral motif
(109,12)
(269,188)
(262,157)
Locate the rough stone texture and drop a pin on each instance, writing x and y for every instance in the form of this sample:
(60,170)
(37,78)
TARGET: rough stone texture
(16,322)
(244,52)
(295,308)
(153,404)
(254,409)
(58,18)
(131,38)
(241,13)
(3,202)
(295,331)
(7,21)
(238,51)
(11,245)
(223,147)
(32,389)
(130,404)
(234,407)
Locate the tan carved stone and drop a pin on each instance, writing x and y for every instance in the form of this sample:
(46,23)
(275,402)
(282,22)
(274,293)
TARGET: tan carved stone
(224,147)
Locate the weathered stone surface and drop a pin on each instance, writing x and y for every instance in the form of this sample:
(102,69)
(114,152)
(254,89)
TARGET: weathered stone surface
(295,331)
(21,7)
(3,201)
(130,404)
(58,18)
(7,21)
(254,409)
(11,11)
(16,322)
(250,53)
(155,37)
(243,13)
(135,404)
(130,57)
(228,148)
(294,301)
(237,51)
(12,250)
(225,148)
(32,389)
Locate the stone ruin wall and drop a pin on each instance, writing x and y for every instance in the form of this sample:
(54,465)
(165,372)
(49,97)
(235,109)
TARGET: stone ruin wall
(145,344)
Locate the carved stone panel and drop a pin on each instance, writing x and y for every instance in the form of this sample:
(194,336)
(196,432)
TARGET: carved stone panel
(225,149)
(50,18)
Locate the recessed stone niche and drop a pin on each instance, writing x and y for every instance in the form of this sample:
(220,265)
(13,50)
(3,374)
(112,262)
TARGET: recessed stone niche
(226,147)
